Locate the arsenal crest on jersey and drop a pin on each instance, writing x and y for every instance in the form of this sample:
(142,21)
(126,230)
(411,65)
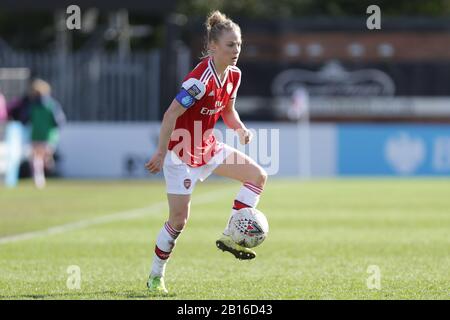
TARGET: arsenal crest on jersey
(187,183)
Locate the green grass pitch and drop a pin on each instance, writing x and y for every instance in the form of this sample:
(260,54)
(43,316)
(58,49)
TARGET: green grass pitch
(324,235)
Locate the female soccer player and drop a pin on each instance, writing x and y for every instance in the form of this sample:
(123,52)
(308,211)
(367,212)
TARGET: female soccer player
(46,116)
(188,150)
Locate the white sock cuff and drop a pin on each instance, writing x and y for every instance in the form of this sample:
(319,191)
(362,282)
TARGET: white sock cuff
(249,195)
(166,240)
(171,231)
(254,188)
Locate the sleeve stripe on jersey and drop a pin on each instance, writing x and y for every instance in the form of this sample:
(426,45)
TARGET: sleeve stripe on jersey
(207,78)
(205,75)
(237,70)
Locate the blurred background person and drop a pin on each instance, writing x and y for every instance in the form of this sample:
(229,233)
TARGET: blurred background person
(3,111)
(17,134)
(15,116)
(46,116)
(18,109)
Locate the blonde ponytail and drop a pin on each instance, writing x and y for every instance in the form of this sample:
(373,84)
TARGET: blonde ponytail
(216,22)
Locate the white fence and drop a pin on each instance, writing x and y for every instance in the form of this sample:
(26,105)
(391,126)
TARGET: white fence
(113,150)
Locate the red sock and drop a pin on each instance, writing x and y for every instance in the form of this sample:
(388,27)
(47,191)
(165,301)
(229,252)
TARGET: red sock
(238,205)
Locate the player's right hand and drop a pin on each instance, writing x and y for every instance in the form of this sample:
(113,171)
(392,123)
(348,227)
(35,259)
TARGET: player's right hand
(155,164)
(245,135)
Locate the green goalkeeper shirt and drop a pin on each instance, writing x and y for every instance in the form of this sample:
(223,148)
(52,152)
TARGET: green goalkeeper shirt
(45,116)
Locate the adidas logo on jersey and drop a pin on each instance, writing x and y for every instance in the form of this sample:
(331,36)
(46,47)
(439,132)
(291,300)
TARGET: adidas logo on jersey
(211,94)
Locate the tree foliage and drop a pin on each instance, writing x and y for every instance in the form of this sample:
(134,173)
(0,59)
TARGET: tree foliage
(299,8)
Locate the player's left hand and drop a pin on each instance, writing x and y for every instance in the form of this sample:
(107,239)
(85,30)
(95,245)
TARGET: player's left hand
(155,164)
(245,135)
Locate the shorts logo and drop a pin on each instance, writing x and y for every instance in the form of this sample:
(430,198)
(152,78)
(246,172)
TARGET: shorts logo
(187,183)
(193,91)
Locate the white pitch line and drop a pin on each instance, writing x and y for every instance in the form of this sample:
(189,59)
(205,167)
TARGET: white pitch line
(119,216)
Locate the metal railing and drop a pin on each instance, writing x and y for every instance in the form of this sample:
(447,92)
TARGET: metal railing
(97,86)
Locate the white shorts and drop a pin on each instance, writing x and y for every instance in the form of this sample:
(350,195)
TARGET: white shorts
(181,178)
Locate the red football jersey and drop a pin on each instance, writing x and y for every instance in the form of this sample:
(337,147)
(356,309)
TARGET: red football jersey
(205,97)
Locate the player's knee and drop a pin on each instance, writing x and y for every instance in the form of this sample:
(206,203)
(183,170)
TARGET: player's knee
(179,224)
(262,177)
(179,221)
(259,177)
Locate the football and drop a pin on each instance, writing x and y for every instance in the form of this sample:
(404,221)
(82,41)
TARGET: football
(248,227)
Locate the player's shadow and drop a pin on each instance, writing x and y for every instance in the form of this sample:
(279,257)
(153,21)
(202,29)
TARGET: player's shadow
(151,296)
